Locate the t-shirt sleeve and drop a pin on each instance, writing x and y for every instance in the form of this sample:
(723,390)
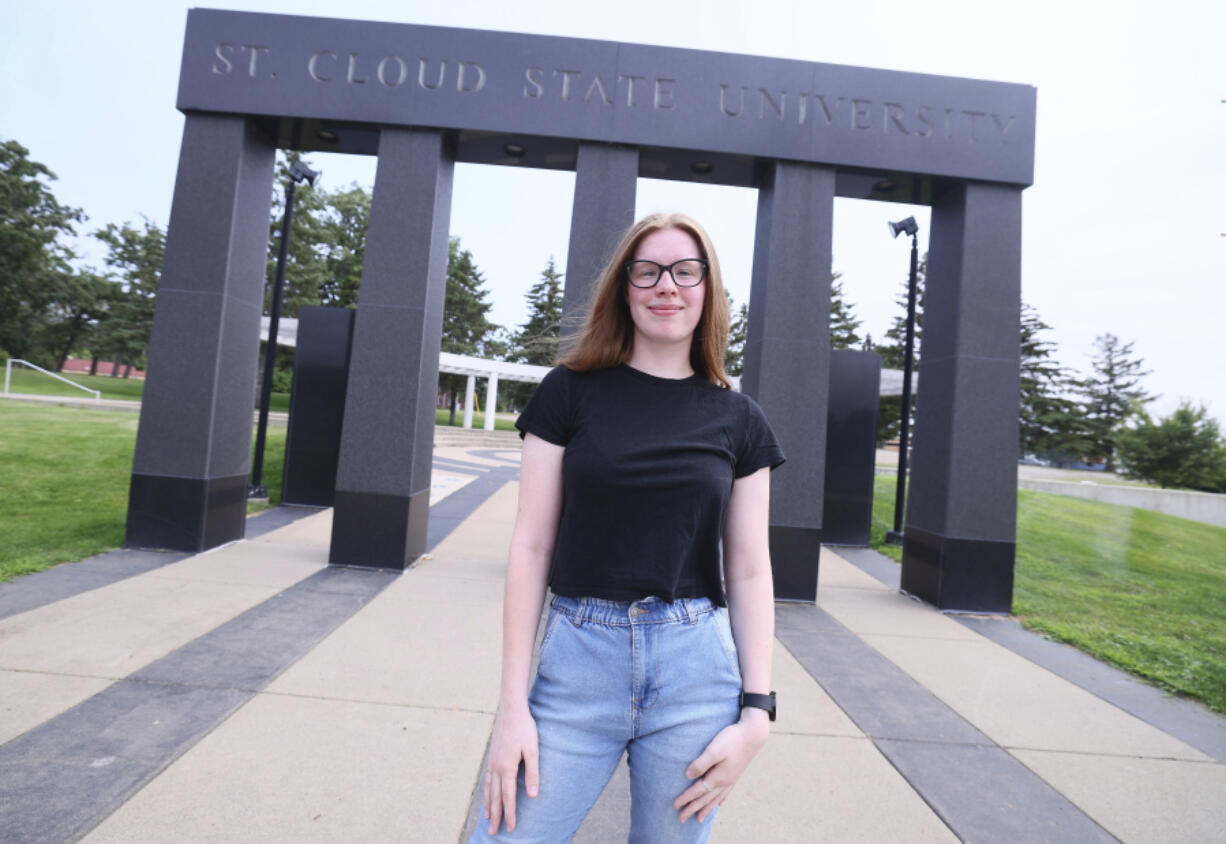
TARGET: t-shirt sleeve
(759,447)
(547,414)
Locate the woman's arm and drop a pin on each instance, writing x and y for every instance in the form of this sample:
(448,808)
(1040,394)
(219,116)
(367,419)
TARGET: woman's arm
(536,528)
(751,589)
(751,606)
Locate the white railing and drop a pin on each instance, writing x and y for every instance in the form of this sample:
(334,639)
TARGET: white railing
(8,375)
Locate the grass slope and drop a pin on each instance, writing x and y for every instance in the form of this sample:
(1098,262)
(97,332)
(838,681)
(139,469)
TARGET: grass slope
(1144,591)
(65,484)
(25,380)
(65,489)
(1141,590)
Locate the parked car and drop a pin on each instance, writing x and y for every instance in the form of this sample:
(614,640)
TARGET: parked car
(1031,460)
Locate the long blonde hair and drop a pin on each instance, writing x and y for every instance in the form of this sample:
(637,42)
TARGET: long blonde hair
(607,337)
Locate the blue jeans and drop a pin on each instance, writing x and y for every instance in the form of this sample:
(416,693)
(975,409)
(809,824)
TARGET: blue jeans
(654,679)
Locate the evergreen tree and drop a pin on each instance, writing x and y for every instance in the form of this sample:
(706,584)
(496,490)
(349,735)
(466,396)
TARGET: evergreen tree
(536,342)
(738,325)
(893,353)
(135,257)
(844,327)
(465,321)
(498,345)
(893,348)
(1050,423)
(1185,449)
(1110,394)
(465,324)
(34,266)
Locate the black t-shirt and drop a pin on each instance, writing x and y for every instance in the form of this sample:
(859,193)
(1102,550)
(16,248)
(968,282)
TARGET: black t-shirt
(646,476)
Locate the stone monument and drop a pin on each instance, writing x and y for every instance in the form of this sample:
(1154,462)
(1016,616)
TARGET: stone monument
(422,98)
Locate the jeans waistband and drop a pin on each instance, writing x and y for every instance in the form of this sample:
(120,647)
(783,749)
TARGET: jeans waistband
(650,610)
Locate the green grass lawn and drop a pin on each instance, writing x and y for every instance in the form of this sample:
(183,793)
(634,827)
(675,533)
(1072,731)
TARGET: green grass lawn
(274,466)
(1141,590)
(443,416)
(24,380)
(65,490)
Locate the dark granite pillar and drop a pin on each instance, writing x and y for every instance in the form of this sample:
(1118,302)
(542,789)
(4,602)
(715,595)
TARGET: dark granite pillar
(317,405)
(605,183)
(851,446)
(383,475)
(787,358)
(959,541)
(193,449)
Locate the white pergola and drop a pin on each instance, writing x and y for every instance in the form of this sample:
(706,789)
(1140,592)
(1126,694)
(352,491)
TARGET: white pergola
(492,371)
(501,370)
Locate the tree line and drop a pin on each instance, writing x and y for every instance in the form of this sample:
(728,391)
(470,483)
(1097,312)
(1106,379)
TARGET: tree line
(1070,418)
(50,309)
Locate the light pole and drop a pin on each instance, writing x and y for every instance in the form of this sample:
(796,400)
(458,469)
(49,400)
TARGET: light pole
(298,172)
(908,226)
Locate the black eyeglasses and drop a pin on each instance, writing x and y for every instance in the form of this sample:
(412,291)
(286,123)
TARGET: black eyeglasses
(686,273)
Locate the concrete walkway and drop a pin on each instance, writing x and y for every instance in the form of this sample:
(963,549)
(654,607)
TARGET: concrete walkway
(252,693)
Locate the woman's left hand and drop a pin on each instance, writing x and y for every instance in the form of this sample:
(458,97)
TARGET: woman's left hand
(721,764)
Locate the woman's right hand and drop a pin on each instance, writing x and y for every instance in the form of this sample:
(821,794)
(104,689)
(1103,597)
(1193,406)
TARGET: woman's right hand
(514,739)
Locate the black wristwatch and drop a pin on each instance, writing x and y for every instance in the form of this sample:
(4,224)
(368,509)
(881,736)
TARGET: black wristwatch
(766,702)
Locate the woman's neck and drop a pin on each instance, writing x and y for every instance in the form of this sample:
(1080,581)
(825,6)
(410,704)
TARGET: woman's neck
(672,361)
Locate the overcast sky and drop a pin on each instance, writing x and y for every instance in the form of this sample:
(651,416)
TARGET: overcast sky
(1122,230)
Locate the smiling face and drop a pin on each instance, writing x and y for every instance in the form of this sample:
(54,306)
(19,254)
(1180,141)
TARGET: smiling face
(666,315)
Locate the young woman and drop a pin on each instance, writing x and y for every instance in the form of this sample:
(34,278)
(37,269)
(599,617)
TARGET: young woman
(637,461)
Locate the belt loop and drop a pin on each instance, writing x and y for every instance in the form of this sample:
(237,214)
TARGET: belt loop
(582,614)
(685,608)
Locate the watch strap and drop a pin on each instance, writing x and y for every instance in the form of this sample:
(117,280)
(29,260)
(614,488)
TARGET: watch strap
(758,701)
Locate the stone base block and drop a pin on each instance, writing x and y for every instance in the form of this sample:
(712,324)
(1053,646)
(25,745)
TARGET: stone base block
(373,530)
(185,514)
(969,575)
(794,559)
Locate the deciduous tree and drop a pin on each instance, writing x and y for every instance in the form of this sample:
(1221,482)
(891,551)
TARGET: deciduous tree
(342,245)
(134,257)
(34,264)
(84,299)
(327,243)
(1185,449)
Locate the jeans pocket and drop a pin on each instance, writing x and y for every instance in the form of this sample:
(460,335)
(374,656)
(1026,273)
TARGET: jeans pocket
(723,631)
(551,626)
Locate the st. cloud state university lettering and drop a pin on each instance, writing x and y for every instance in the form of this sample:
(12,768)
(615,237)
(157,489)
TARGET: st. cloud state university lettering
(626,90)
